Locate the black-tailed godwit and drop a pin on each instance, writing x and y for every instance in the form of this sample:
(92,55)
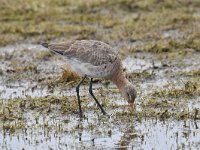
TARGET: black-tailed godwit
(95,59)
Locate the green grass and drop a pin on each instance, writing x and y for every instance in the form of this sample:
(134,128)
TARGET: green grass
(109,21)
(188,89)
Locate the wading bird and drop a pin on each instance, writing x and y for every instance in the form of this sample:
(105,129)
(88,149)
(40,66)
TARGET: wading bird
(95,59)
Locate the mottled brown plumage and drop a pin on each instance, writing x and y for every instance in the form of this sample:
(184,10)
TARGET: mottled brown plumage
(95,59)
(86,51)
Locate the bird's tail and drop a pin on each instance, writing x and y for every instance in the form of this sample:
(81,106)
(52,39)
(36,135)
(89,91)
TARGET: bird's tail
(54,48)
(45,45)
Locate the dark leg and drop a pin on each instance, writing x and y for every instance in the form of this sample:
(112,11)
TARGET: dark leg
(78,96)
(99,105)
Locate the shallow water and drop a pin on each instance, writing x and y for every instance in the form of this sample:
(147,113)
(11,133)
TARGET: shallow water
(66,131)
(147,134)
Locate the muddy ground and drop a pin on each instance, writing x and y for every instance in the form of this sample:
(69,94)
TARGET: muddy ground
(159,43)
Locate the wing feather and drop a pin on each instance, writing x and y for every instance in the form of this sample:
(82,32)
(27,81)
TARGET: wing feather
(93,52)
(86,51)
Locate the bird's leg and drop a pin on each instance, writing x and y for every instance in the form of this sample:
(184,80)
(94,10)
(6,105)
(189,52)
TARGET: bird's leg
(99,105)
(78,96)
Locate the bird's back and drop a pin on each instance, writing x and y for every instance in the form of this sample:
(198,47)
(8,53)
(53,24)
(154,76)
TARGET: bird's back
(86,51)
(94,58)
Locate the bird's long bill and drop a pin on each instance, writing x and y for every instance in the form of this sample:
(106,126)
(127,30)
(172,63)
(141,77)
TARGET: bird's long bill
(132,107)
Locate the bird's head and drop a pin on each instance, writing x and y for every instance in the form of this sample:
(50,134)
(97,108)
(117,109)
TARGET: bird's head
(129,93)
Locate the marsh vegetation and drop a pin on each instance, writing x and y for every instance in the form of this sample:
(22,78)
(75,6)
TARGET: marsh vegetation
(159,43)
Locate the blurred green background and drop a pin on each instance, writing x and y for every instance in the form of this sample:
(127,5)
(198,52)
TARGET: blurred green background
(111,21)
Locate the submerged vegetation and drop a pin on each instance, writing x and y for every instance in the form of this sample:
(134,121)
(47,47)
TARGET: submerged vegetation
(170,29)
(189,89)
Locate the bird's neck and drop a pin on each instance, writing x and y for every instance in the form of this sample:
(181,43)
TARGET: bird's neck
(120,80)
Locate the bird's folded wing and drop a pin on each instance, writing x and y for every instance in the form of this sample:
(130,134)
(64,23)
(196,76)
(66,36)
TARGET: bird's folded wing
(86,51)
